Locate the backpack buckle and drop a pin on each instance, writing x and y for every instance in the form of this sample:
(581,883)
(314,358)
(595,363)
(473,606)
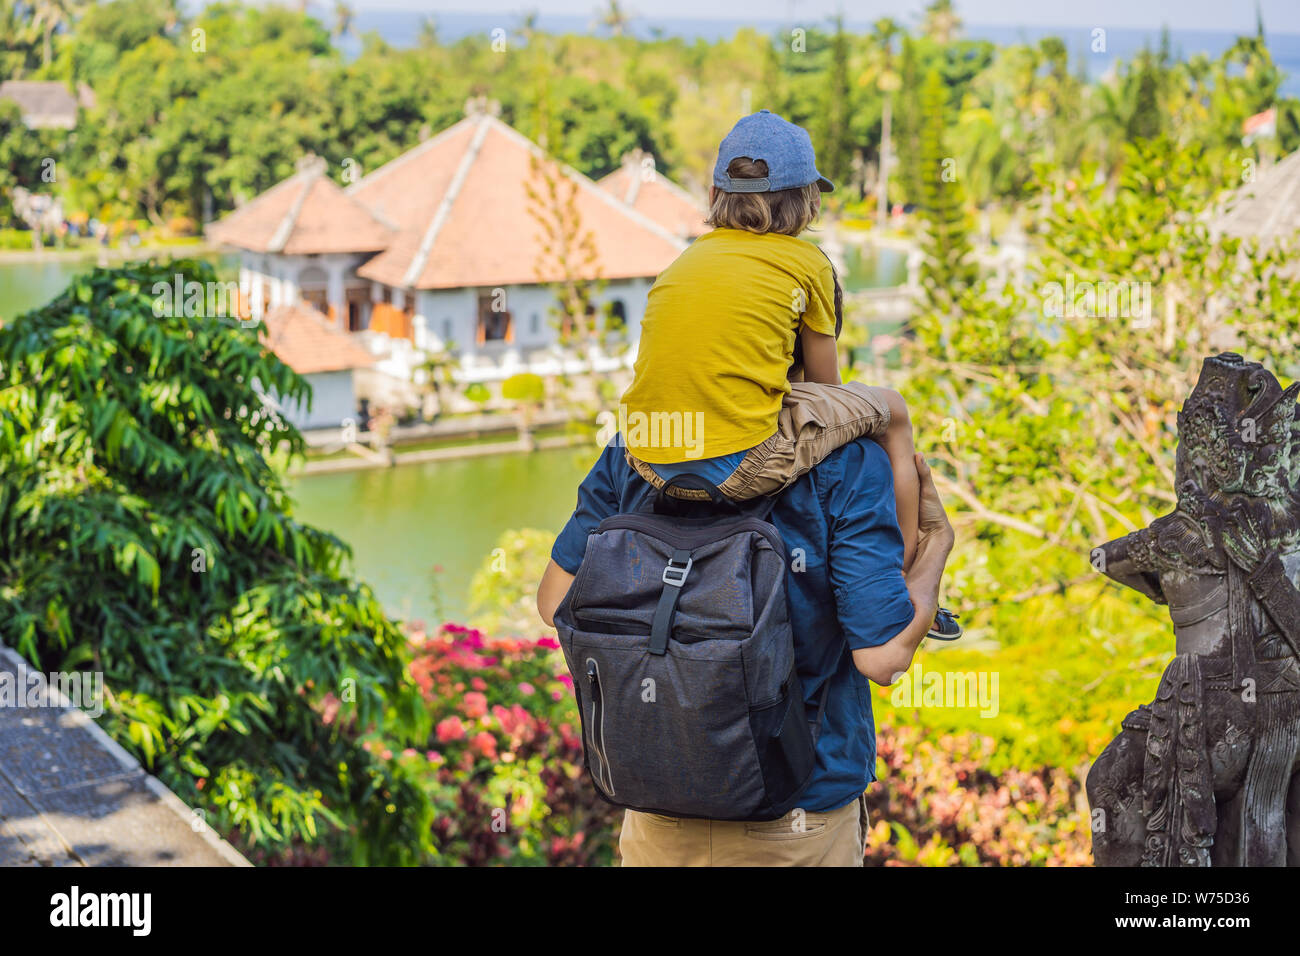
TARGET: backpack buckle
(676,574)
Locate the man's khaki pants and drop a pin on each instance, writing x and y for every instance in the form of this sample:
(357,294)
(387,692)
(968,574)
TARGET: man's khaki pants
(837,838)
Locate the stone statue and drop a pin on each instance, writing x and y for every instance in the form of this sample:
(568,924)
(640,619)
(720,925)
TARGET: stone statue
(1208,773)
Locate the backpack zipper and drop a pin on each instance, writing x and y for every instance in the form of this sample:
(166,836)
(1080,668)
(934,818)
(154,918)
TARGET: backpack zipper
(598,725)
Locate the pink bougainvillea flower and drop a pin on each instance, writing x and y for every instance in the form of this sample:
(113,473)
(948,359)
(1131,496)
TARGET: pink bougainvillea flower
(387,754)
(485,744)
(475,705)
(450,729)
(469,637)
(565,679)
(478,683)
(527,689)
(433,756)
(409,752)
(557,695)
(549,643)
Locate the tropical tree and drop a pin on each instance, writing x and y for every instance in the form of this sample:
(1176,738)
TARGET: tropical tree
(835,153)
(1051,411)
(50,16)
(881,74)
(940,22)
(20,37)
(615,18)
(144,534)
(343,18)
(948,268)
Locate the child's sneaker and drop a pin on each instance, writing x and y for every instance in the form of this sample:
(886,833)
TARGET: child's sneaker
(945,626)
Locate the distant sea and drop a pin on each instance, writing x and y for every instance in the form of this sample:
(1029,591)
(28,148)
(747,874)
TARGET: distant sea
(401,28)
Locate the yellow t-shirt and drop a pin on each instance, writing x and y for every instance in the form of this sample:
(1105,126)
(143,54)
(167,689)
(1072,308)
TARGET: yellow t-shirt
(717,341)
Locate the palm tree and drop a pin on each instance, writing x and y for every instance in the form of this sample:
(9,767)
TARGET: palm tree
(343,17)
(887,81)
(428,31)
(18,37)
(941,22)
(615,18)
(50,16)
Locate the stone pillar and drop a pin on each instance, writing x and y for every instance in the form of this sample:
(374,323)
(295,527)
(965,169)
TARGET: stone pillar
(256,296)
(336,296)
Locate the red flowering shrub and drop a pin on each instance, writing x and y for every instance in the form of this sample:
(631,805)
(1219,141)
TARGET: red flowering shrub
(503,768)
(935,804)
(503,763)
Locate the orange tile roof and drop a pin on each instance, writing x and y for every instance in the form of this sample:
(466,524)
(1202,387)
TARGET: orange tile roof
(460,202)
(307,214)
(657,198)
(305,341)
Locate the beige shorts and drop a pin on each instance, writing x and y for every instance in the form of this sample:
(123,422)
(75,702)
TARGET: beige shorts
(815,419)
(837,838)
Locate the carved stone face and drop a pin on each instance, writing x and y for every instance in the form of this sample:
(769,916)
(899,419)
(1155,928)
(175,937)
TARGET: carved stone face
(1235,431)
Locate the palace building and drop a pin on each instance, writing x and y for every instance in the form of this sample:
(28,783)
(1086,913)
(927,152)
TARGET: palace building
(442,250)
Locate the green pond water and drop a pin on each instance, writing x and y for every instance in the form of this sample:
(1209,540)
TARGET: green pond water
(29,285)
(403,522)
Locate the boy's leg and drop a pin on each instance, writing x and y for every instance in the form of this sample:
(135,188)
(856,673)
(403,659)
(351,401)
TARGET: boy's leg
(815,419)
(898,445)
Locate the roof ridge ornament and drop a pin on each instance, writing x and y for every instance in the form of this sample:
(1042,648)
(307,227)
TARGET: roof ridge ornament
(311,163)
(482,106)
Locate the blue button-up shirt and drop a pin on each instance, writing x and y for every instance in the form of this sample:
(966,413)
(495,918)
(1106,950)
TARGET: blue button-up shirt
(845,587)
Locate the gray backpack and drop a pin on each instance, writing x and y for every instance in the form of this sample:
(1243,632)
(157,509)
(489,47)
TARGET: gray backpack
(677,633)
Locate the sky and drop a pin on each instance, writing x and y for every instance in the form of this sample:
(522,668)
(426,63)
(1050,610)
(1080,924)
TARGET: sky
(1237,15)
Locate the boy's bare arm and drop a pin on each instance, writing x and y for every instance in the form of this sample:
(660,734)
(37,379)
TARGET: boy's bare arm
(821,359)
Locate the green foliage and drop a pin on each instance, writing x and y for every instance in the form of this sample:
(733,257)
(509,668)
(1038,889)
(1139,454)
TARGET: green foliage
(144,535)
(267,86)
(502,594)
(1050,408)
(524,388)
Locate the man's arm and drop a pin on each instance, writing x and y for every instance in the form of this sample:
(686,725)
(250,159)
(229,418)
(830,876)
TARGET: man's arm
(555,584)
(885,663)
(597,500)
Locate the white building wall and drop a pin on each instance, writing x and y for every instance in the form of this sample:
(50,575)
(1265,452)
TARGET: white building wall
(333,400)
(271,280)
(449,316)
(452,314)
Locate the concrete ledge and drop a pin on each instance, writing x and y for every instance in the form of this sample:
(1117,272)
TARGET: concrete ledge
(71,796)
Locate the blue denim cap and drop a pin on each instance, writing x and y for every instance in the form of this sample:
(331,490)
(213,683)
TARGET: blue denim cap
(785,147)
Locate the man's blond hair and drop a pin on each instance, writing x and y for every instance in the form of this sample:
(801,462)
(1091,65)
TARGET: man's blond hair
(787,211)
